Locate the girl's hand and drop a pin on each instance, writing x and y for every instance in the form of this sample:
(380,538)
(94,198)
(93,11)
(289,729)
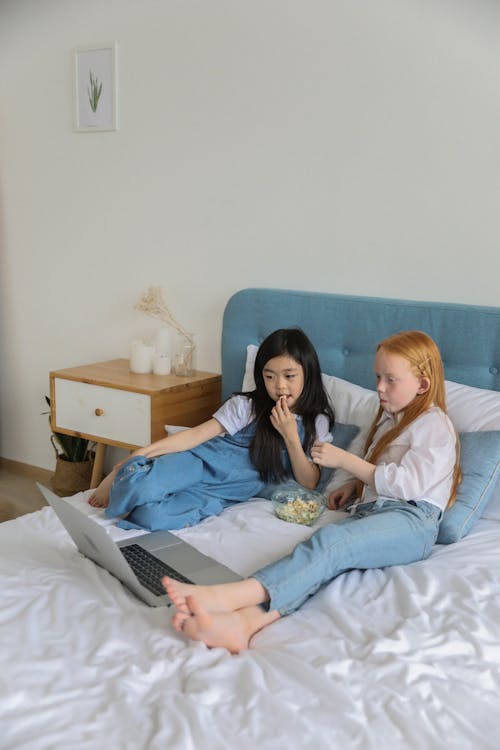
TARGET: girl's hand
(328,455)
(284,421)
(337,499)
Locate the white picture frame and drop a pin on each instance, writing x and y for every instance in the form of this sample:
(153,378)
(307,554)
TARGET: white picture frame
(96,88)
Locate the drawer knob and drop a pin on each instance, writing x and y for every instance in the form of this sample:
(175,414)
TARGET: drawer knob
(99,412)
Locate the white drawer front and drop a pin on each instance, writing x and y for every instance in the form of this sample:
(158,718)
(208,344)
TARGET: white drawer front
(125,417)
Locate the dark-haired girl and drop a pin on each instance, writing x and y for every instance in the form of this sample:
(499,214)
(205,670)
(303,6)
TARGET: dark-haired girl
(256,437)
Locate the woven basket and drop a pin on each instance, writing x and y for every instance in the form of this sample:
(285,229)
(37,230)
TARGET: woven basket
(71,476)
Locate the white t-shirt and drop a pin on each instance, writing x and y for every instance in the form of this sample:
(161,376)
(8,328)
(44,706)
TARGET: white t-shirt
(419,463)
(237,412)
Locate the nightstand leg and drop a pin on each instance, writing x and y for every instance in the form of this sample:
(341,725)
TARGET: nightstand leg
(100,452)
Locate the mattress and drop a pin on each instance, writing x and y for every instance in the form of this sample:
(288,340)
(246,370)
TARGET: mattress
(405,657)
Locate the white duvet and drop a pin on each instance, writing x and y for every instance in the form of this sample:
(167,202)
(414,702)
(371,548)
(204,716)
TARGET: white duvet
(405,657)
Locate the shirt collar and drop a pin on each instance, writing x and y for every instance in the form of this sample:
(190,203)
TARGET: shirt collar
(392,418)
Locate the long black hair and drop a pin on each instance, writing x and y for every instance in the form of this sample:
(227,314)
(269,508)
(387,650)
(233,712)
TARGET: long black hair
(265,448)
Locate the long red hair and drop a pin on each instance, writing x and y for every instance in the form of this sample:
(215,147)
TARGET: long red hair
(423,355)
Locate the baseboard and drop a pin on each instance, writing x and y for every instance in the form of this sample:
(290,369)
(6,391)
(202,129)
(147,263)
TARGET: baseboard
(26,470)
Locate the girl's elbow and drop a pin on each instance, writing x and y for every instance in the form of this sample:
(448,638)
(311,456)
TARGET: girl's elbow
(312,483)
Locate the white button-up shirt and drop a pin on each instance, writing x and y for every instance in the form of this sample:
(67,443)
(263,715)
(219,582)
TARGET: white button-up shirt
(419,464)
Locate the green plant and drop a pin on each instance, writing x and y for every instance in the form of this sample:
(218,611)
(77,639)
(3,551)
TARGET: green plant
(94,91)
(69,447)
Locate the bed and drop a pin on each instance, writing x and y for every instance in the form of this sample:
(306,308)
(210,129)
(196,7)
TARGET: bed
(400,658)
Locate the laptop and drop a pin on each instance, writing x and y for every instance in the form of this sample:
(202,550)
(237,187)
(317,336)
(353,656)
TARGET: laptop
(141,561)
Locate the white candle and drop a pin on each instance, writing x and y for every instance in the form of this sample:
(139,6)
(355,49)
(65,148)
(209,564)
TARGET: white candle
(161,364)
(141,357)
(162,342)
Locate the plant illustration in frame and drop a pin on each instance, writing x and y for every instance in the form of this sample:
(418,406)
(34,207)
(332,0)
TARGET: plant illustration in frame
(95,91)
(95,88)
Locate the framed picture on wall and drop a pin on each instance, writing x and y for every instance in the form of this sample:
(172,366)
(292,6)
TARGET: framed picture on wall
(96,87)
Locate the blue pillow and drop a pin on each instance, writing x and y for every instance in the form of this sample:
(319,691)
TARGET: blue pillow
(342,436)
(480,464)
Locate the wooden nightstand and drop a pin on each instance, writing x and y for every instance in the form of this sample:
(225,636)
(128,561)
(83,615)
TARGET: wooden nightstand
(110,405)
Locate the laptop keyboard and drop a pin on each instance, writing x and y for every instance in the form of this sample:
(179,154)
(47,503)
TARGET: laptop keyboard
(149,569)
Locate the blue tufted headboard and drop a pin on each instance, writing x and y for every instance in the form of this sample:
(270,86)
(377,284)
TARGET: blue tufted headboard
(346,329)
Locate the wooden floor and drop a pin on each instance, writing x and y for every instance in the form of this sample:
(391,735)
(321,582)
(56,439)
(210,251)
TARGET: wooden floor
(18,491)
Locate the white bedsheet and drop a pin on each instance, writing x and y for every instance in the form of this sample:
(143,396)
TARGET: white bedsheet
(406,657)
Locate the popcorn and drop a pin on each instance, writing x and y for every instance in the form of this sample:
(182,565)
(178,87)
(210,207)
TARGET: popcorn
(298,507)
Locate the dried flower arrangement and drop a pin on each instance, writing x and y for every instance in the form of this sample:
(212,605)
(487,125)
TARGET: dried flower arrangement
(153,304)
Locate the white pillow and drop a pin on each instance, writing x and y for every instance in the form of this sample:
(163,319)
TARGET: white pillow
(352,405)
(470,409)
(248,379)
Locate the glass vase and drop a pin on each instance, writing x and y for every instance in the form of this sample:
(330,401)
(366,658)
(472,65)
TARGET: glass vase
(184,355)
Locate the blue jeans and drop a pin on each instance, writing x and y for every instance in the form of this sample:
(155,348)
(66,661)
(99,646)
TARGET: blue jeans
(380,533)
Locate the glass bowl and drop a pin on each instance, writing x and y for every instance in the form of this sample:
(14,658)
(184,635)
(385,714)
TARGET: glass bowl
(297,505)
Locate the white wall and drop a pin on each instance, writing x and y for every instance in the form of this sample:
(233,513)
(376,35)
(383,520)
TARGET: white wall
(331,145)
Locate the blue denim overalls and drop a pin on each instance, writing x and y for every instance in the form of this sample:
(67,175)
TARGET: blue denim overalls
(181,489)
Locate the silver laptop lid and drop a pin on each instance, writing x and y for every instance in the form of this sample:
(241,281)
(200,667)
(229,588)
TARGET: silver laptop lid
(93,541)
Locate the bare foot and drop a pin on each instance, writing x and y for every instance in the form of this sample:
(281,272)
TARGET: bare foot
(228,629)
(208,596)
(224,597)
(100,496)
(178,620)
(98,500)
